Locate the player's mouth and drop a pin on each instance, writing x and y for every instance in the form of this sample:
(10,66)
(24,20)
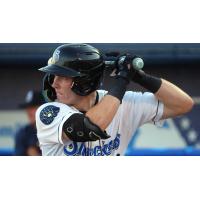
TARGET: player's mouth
(59,94)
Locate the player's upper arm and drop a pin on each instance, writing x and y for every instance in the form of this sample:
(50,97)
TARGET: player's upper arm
(168,113)
(152,108)
(142,108)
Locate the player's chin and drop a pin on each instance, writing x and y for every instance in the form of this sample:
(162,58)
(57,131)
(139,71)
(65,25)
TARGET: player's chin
(63,100)
(60,98)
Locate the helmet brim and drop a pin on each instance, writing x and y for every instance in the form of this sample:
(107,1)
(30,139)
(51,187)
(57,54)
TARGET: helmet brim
(61,71)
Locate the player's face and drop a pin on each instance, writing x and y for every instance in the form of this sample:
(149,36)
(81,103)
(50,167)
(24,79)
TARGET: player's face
(62,86)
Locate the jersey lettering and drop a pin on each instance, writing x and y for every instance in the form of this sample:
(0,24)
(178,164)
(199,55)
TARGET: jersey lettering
(73,149)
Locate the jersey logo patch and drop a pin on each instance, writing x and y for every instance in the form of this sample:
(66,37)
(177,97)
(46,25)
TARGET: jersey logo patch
(48,114)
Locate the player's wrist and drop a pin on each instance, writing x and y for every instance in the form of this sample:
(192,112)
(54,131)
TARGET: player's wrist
(147,81)
(118,88)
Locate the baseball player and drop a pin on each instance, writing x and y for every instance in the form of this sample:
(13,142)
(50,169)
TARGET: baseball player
(81,120)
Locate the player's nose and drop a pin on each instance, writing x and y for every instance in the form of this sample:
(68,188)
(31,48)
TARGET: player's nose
(55,83)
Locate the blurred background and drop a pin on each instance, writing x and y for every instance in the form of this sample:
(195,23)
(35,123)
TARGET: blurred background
(178,63)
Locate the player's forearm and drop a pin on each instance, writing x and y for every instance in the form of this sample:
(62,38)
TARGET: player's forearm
(103,113)
(175,100)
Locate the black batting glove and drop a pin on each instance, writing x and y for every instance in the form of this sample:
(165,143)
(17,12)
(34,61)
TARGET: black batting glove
(121,77)
(123,68)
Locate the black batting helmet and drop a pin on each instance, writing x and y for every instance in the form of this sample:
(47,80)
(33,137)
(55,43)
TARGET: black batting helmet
(82,62)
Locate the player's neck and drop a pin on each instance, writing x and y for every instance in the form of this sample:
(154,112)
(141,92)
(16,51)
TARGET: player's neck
(86,102)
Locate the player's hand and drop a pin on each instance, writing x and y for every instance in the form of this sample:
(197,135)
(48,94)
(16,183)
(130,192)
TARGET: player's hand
(124,67)
(120,77)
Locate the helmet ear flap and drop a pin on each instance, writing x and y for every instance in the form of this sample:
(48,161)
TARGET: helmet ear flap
(51,78)
(90,82)
(84,87)
(48,91)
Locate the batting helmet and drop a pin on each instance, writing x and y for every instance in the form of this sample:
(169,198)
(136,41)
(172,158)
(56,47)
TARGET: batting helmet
(82,62)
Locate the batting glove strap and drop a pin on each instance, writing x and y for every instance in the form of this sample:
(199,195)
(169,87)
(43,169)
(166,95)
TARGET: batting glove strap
(147,81)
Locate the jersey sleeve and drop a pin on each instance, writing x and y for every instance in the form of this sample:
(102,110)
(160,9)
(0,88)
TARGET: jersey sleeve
(139,108)
(49,121)
(150,107)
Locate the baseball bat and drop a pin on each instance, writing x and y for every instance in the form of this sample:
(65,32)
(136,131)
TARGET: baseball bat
(137,63)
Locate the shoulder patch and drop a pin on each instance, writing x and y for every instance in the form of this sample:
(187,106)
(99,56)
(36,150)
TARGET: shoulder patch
(48,114)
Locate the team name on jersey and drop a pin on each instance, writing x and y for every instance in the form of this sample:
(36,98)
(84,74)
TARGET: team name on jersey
(81,149)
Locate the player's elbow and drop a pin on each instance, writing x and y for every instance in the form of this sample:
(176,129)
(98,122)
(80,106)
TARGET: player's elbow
(185,106)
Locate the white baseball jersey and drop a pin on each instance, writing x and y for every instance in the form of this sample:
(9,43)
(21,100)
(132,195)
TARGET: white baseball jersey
(136,109)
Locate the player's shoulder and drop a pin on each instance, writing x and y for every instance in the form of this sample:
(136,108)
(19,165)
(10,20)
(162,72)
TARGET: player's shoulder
(53,106)
(137,96)
(53,109)
(130,95)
